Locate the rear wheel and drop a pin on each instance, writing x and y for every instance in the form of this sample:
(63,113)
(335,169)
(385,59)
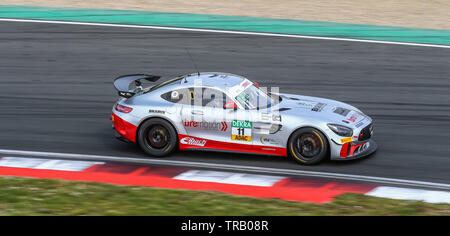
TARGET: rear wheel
(308,146)
(157,137)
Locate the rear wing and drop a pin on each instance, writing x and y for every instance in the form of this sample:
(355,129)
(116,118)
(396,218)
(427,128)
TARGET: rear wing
(122,83)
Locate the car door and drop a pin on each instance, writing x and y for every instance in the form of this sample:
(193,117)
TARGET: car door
(264,121)
(205,117)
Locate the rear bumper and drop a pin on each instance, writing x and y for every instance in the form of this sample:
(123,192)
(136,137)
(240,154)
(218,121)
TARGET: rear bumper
(118,136)
(353,150)
(123,129)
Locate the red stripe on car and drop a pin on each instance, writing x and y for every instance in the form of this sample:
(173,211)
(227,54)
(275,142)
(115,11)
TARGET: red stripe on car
(124,128)
(189,142)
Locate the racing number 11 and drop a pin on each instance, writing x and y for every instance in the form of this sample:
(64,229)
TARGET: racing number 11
(240,131)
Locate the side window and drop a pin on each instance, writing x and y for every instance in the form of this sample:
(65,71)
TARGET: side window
(196,96)
(181,96)
(206,97)
(214,98)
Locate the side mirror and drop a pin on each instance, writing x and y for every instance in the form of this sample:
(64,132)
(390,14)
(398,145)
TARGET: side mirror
(230,105)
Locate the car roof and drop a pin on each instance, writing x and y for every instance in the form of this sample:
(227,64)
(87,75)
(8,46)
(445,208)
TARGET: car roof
(217,80)
(213,79)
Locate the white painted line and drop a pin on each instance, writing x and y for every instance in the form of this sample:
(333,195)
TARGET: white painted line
(225,32)
(46,164)
(229,178)
(411,194)
(255,169)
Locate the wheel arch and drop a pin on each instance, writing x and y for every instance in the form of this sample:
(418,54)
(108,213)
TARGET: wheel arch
(156,117)
(313,127)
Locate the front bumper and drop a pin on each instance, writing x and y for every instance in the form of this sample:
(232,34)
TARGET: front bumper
(353,150)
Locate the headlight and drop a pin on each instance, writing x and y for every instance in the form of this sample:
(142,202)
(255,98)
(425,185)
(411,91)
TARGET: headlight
(341,130)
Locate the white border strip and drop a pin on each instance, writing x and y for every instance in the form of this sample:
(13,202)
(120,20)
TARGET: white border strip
(410,194)
(224,32)
(47,164)
(229,178)
(253,169)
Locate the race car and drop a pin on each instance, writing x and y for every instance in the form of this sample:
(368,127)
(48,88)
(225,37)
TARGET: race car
(227,112)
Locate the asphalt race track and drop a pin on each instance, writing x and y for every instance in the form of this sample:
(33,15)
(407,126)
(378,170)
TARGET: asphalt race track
(56,90)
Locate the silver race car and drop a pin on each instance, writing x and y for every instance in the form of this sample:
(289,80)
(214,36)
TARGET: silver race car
(226,112)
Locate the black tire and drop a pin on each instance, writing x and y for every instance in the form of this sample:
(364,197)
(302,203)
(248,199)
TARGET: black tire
(308,146)
(157,137)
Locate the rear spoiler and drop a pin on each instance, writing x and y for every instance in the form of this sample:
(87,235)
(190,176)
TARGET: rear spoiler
(122,83)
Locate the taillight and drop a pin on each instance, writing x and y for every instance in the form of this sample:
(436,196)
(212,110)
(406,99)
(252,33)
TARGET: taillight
(123,109)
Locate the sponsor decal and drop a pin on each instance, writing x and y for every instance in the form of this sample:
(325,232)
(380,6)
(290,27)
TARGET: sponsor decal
(241,130)
(314,106)
(224,126)
(238,89)
(156,111)
(346,140)
(352,118)
(188,123)
(193,141)
(359,124)
(267,140)
(175,95)
(306,104)
(244,84)
(243,98)
(221,126)
(126,94)
(241,138)
(318,107)
(267,116)
(242,124)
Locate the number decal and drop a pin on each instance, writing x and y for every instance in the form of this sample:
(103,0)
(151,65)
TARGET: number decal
(241,130)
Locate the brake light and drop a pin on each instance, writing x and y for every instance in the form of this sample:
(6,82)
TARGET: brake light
(123,109)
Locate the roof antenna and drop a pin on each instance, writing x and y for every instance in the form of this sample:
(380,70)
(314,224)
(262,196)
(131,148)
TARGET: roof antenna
(193,62)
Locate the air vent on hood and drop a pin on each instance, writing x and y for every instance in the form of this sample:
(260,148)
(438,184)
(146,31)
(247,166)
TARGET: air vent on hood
(283,109)
(341,111)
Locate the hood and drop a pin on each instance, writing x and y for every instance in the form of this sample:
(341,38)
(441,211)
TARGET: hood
(325,109)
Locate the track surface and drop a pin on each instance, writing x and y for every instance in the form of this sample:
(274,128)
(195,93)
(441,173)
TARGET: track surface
(56,90)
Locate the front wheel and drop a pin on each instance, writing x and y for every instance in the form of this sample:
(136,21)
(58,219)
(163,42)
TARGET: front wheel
(308,146)
(157,137)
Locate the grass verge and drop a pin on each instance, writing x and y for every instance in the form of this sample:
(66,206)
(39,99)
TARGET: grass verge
(26,196)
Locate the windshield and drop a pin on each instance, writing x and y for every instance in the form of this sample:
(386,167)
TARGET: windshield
(254,98)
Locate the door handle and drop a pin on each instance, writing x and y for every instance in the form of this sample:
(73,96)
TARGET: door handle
(197,112)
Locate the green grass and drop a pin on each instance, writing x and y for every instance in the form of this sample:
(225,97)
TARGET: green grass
(26,196)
